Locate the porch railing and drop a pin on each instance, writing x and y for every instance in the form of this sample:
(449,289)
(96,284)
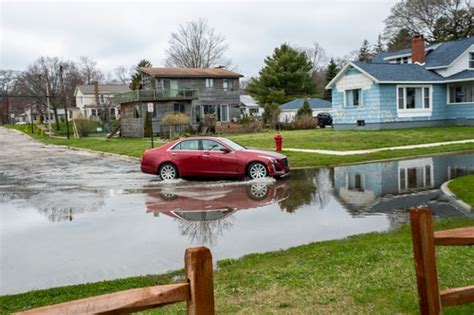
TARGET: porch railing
(155,95)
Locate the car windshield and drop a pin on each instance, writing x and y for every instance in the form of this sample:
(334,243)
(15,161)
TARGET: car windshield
(231,144)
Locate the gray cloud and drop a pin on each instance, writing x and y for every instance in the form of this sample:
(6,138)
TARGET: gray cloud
(124,32)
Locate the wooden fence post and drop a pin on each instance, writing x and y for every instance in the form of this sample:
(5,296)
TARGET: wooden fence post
(425,261)
(198,267)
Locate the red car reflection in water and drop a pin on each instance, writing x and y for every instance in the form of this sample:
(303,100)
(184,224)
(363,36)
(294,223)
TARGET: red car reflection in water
(211,157)
(213,203)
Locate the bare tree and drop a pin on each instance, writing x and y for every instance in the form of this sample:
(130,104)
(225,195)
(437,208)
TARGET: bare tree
(123,74)
(89,71)
(44,72)
(8,80)
(424,16)
(196,45)
(317,55)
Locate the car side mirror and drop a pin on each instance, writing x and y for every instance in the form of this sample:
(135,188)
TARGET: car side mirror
(226,150)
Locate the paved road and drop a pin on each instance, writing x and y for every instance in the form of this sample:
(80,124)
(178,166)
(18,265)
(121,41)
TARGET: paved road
(61,179)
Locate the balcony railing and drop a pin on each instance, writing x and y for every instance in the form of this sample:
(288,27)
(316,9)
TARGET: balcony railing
(154,95)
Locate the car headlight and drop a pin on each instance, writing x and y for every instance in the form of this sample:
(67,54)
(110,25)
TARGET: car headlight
(274,161)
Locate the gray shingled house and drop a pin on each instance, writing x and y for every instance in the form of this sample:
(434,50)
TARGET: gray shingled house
(195,92)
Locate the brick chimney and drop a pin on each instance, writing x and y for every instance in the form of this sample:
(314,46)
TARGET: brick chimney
(418,49)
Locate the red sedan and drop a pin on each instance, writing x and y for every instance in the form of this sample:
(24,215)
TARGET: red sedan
(212,157)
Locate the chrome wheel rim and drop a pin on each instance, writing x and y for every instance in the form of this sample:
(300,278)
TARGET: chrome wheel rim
(258,190)
(258,171)
(168,172)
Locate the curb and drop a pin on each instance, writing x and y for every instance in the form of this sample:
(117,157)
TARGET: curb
(100,153)
(453,198)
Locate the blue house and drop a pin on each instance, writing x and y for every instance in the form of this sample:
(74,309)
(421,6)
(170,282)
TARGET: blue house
(289,110)
(417,87)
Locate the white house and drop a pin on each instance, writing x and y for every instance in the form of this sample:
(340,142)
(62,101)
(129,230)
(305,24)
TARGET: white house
(86,98)
(289,110)
(250,107)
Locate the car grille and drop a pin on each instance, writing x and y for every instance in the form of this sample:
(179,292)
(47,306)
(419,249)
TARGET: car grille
(285,161)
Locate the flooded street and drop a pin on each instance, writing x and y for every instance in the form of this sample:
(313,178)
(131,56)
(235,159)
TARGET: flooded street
(70,217)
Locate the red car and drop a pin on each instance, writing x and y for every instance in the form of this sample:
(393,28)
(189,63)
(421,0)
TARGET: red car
(212,157)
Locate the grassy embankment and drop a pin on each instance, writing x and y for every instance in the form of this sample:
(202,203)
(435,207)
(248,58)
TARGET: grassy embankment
(463,187)
(327,139)
(364,274)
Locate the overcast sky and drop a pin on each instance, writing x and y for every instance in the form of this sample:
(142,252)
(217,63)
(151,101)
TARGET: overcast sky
(118,33)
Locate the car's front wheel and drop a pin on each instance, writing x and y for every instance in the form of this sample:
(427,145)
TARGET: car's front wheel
(257,170)
(168,171)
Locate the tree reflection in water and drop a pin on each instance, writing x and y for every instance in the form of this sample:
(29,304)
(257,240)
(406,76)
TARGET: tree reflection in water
(308,187)
(204,232)
(63,205)
(203,214)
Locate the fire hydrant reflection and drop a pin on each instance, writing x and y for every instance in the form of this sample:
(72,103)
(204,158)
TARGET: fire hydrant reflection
(278,141)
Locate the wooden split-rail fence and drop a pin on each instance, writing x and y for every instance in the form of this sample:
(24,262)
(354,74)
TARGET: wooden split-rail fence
(430,298)
(198,292)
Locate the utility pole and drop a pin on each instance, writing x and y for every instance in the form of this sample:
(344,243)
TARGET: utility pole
(65,98)
(47,103)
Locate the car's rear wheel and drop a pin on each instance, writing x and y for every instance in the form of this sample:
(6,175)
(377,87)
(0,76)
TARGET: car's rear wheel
(257,170)
(168,171)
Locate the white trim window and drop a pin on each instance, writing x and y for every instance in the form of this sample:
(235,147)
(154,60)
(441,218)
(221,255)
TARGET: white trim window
(221,112)
(209,83)
(471,60)
(355,182)
(461,93)
(414,100)
(227,84)
(353,98)
(416,177)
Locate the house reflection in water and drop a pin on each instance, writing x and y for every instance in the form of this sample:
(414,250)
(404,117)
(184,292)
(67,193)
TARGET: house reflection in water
(203,213)
(361,187)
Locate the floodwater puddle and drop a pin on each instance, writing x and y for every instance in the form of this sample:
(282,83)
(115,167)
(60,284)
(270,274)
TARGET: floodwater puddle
(110,222)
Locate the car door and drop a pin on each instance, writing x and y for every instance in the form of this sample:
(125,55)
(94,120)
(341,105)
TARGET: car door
(217,162)
(186,156)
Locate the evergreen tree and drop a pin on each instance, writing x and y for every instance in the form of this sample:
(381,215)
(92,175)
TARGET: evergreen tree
(285,76)
(148,124)
(379,47)
(448,29)
(305,110)
(137,77)
(365,52)
(400,41)
(331,72)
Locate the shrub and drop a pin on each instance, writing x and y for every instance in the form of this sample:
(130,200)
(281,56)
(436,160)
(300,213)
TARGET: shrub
(305,122)
(173,120)
(148,125)
(210,122)
(305,110)
(84,126)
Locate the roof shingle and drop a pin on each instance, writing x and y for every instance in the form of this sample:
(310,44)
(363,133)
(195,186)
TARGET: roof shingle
(104,88)
(315,103)
(191,73)
(392,72)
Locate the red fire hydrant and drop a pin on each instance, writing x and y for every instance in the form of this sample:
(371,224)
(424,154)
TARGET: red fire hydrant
(278,141)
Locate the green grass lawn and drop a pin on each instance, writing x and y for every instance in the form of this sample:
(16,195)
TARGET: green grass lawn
(365,274)
(463,187)
(312,139)
(330,139)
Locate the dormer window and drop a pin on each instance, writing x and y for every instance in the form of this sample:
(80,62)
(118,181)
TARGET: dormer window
(471,60)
